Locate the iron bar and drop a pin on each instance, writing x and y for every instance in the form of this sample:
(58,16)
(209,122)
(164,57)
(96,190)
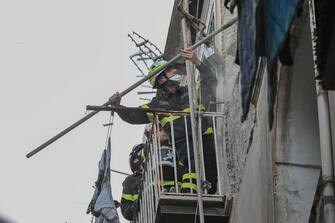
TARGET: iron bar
(146,92)
(120,172)
(201,153)
(156,149)
(151,196)
(188,152)
(157,111)
(159,152)
(126,91)
(145,195)
(154,175)
(193,105)
(217,156)
(174,156)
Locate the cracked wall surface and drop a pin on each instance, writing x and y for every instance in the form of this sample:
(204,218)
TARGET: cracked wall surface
(265,190)
(237,136)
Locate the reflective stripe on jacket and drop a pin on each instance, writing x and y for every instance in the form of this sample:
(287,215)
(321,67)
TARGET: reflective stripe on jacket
(178,101)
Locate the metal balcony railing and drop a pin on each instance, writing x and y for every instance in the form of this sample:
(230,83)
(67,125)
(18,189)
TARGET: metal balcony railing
(162,171)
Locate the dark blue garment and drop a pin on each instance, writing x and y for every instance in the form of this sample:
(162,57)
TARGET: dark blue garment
(249,23)
(102,204)
(263,28)
(278,18)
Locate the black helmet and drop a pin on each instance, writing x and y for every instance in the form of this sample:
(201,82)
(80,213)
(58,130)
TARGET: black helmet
(136,157)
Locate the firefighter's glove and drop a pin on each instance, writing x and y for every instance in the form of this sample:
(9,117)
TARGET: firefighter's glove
(206,185)
(117,203)
(115,99)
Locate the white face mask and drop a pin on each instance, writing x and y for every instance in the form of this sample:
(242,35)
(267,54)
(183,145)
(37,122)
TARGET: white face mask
(176,78)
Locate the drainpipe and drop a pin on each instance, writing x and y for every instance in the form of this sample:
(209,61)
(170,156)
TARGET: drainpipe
(325,133)
(326,155)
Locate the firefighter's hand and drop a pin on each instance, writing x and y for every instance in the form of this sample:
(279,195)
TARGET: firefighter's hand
(190,55)
(115,99)
(148,130)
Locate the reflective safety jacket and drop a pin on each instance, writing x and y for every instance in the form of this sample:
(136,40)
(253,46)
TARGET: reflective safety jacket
(129,197)
(178,101)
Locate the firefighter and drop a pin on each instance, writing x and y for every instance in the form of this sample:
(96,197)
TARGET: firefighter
(168,180)
(131,184)
(175,97)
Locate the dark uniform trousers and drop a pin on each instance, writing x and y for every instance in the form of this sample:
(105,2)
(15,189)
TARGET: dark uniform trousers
(189,180)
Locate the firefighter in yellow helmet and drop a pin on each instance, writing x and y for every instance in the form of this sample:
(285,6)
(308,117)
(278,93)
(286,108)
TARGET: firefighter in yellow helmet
(175,97)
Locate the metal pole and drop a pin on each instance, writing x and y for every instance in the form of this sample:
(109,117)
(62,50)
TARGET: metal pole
(151,197)
(154,175)
(159,152)
(328,189)
(120,172)
(193,105)
(201,152)
(174,156)
(217,156)
(188,152)
(126,91)
(158,166)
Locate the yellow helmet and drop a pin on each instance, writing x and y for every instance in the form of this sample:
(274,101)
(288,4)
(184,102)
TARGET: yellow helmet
(158,63)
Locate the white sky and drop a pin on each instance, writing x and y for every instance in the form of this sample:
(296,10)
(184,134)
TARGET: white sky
(56,57)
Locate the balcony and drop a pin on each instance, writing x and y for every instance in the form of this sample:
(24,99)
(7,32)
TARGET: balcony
(160,200)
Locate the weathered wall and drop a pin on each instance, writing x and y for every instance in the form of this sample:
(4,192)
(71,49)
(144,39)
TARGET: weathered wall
(249,147)
(297,150)
(254,199)
(246,145)
(236,136)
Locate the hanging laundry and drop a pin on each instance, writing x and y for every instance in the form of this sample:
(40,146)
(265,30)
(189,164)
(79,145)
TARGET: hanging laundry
(102,205)
(278,18)
(263,30)
(248,41)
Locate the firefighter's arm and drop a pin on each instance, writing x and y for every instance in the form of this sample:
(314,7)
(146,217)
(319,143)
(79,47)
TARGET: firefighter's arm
(208,83)
(128,199)
(208,78)
(130,116)
(133,117)
(190,55)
